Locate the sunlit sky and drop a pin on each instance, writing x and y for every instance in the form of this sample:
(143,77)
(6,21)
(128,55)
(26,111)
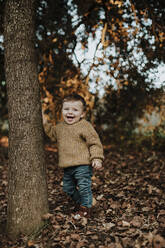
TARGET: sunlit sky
(87,55)
(160,76)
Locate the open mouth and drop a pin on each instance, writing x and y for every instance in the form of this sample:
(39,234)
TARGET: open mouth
(70,118)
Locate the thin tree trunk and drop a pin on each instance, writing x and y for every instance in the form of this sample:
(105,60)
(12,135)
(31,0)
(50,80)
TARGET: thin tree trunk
(27,189)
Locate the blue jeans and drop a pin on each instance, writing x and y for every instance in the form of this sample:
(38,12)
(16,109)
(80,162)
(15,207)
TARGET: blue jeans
(77,184)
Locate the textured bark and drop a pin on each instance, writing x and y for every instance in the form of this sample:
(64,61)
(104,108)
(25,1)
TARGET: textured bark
(27,190)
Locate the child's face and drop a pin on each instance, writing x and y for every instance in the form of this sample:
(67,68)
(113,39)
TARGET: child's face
(72,111)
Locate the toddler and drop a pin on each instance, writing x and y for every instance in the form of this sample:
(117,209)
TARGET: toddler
(79,150)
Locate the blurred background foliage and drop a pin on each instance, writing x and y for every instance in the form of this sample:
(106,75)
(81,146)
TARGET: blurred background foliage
(108,51)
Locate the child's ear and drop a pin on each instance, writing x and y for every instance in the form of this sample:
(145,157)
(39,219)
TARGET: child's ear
(83,114)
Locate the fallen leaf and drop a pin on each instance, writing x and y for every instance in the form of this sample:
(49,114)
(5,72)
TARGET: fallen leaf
(75,236)
(108,225)
(99,197)
(137,221)
(158,242)
(125,223)
(47,216)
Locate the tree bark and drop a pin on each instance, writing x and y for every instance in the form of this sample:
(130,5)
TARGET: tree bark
(27,188)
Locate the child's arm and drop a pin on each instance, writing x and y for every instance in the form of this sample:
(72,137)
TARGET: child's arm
(44,118)
(94,145)
(49,128)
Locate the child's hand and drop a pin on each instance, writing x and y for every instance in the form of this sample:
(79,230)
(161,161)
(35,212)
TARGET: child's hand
(44,118)
(97,164)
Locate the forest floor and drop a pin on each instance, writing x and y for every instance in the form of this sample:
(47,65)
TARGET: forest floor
(129,210)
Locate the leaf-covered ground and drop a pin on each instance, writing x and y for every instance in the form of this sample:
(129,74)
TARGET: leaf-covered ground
(129,210)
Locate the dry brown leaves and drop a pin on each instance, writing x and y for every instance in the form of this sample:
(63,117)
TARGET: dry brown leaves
(129,209)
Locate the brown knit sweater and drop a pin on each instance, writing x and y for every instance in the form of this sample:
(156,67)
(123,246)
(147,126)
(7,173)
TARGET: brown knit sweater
(78,143)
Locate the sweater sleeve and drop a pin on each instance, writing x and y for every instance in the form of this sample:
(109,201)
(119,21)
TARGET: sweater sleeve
(93,142)
(50,130)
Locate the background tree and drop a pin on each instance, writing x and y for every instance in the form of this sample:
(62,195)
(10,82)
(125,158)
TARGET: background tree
(27,190)
(130,45)
(56,42)
(118,112)
(127,47)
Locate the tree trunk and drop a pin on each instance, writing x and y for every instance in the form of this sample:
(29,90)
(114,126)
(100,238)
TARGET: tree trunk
(27,188)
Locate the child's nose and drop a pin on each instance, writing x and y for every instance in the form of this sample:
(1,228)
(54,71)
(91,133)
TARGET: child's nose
(70,111)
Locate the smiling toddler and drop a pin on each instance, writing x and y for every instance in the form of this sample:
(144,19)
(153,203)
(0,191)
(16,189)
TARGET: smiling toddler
(79,150)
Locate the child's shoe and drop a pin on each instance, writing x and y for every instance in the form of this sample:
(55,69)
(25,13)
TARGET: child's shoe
(76,207)
(83,212)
